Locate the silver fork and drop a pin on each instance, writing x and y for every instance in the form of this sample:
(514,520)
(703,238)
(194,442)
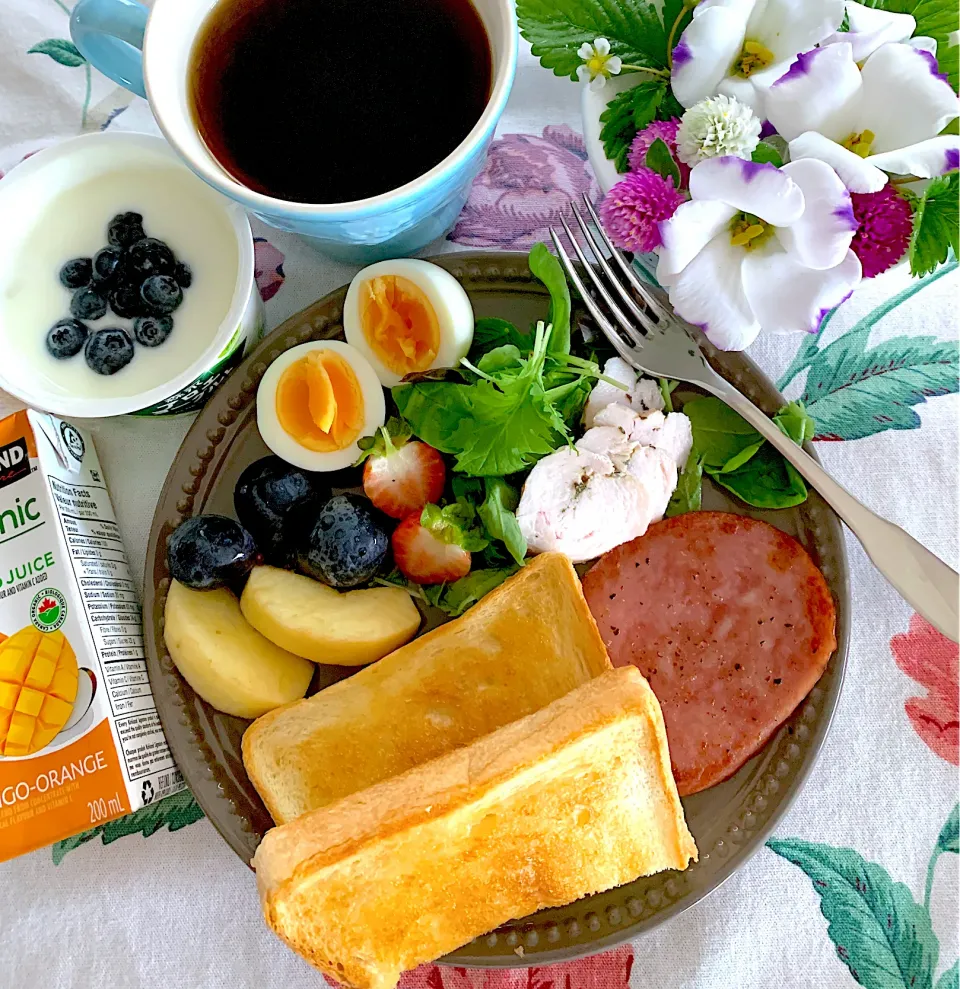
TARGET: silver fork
(657,342)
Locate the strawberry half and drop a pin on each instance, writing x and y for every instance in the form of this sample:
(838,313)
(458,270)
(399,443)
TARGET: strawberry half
(424,558)
(400,476)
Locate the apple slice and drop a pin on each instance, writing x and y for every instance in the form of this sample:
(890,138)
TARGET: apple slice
(309,619)
(227,661)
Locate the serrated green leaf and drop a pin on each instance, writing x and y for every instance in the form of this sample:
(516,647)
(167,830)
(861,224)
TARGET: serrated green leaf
(853,392)
(767,154)
(60,50)
(627,113)
(174,812)
(659,160)
(669,107)
(938,19)
(951,978)
(936,225)
(881,934)
(557,28)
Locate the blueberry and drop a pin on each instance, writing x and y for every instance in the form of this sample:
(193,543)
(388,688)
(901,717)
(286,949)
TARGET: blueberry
(208,551)
(106,266)
(66,338)
(147,257)
(345,545)
(125,300)
(108,351)
(161,294)
(125,229)
(76,273)
(88,303)
(182,274)
(272,499)
(151,331)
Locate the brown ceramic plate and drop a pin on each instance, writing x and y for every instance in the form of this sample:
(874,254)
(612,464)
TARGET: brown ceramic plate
(729,821)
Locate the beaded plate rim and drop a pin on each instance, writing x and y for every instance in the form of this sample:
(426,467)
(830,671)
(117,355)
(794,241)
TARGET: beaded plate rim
(771,781)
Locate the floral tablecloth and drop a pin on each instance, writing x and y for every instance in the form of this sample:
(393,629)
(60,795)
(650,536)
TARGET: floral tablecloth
(860,882)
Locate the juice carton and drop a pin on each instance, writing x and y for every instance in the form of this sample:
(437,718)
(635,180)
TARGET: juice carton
(80,740)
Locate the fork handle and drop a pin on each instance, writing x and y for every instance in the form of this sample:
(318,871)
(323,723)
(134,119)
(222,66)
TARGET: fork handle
(923,579)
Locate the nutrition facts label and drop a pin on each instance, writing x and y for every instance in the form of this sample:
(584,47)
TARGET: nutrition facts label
(106,591)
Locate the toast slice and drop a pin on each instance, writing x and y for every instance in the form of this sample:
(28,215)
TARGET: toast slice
(573,799)
(525,644)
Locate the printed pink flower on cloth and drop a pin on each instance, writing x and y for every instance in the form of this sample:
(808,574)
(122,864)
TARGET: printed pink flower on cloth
(663,130)
(633,209)
(931,659)
(610,970)
(267,268)
(884,224)
(526,183)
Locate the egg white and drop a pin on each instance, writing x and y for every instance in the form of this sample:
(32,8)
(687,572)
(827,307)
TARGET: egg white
(282,443)
(449,300)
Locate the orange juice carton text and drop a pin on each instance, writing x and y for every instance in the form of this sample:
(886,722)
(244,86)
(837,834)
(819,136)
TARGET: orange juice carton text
(80,740)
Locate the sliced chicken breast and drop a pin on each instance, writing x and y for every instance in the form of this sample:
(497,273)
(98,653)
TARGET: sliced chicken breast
(641,395)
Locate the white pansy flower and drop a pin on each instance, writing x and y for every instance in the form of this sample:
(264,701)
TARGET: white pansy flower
(739,47)
(871,27)
(885,117)
(715,127)
(759,247)
(598,63)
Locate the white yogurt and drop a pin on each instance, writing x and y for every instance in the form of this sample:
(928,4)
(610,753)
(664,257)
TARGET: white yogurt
(61,211)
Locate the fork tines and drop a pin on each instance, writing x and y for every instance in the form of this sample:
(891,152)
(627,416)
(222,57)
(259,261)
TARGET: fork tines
(618,290)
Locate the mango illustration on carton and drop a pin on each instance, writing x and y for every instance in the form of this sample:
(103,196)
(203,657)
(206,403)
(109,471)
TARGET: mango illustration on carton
(80,740)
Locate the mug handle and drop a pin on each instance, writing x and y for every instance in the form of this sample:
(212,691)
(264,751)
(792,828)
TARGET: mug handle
(109,35)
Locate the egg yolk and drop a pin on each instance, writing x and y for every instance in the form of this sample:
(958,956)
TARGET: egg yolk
(399,323)
(319,402)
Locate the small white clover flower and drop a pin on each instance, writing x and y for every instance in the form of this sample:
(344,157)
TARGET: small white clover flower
(598,63)
(717,127)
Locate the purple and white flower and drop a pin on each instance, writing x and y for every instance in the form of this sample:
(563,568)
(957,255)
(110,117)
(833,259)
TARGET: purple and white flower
(740,47)
(871,27)
(864,123)
(759,247)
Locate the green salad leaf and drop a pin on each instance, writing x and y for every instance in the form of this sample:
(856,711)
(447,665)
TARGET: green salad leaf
(497,514)
(686,497)
(720,436)
(766,480)
(548,270)
(462,594)
(434,410)
(490,332)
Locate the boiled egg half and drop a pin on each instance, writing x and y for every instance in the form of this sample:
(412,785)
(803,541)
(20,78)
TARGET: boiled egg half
(315,401)
(407,315)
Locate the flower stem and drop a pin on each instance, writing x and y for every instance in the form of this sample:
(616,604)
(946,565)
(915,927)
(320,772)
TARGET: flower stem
(642,68)
(687,7)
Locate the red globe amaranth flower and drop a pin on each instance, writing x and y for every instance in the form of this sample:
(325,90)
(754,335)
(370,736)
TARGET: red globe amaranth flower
(885,221)
(633,208)
(666,131)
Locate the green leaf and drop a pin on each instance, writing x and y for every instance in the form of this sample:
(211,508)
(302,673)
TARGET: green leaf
(550,272)
(569,398)
(670,107)
(938,19)
(881,934)
(455,525)
(949,837)
(434,410)
(557,28)
(719,433)
(497,515)
(767,154)
(60,50)
(766,480)
(951,978)
(491,332)
(173,812)
(667,387)
(686,497)
(627,113)
(660,160)
(936,225)
(506,356)
(462,594)
(853,392)
(794,421)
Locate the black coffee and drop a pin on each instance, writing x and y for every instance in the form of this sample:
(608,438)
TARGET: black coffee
(327,101)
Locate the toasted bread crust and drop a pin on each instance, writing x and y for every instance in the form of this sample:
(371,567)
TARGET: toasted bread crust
(573,799)
(528,642)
